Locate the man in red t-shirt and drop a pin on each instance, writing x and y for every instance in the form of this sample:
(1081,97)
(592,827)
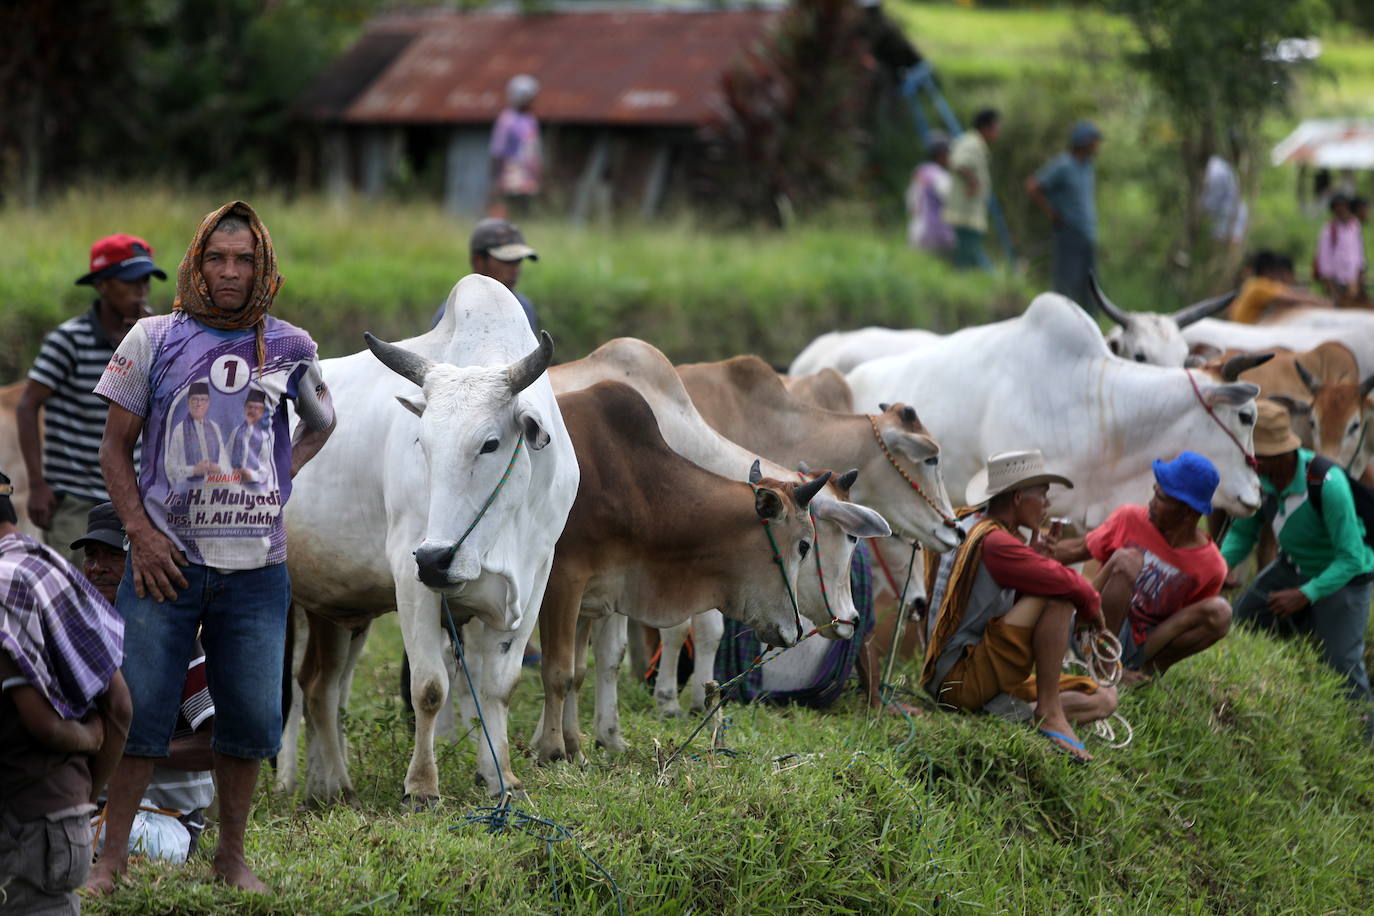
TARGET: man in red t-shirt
(1174,609)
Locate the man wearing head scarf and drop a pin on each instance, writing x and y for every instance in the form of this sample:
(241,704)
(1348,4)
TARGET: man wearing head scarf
(516,159)
(211,557)
(64,712)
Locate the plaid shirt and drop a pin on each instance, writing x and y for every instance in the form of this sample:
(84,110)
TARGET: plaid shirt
(63,636)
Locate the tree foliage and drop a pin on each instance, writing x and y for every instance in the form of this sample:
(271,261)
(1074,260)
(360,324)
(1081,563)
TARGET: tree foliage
(1212,63)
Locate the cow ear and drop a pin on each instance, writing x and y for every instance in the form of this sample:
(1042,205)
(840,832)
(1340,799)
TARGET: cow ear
(532,425)
(1232,393)
(1293,405)
(916,446)
(768,504)
(415,404)
(856,520)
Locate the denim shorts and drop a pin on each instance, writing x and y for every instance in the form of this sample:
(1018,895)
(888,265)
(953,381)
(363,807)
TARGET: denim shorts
(241,616)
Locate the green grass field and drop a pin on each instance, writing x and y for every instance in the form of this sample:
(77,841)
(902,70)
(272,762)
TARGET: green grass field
(1245,790)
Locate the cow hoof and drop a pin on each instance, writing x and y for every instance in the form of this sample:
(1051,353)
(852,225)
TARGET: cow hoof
(616,745)
(418,803)
(698,709)
(551,758)
(670,712)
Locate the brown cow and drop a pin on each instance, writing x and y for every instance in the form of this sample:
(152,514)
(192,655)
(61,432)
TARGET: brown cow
(826,389)
(654,535)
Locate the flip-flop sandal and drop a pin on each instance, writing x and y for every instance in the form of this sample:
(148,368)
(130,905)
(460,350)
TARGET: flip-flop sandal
(1056,737)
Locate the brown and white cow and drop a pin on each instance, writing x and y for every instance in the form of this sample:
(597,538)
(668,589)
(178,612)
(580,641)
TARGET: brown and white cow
(655,536)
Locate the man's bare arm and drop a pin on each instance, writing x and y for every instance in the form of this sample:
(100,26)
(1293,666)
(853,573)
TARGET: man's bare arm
(156,561)
(1037,195)
(315,406)
(1072,550)
(41,721)
(42,500)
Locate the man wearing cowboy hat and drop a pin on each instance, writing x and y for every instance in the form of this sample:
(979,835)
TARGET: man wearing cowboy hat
(1173,607)
(1003,610)
(1319,585)
(63,465)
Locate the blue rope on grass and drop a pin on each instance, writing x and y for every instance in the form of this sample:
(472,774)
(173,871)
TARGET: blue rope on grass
(502,817)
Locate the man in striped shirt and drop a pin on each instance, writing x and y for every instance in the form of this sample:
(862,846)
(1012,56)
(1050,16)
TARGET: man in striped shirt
(65,482)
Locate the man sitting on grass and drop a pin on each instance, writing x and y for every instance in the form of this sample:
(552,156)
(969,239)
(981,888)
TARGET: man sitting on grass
(1174,607)
(1005,611)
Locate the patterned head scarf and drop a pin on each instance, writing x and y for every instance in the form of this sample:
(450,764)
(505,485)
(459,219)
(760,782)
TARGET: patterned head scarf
(193,294)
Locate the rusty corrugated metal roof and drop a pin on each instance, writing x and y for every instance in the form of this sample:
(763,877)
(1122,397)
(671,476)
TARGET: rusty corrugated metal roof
(634,66)
(341,82)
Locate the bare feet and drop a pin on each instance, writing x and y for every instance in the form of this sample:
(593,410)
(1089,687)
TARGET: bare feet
(1062,735)
(1131,678)
(234,871)
(101,880)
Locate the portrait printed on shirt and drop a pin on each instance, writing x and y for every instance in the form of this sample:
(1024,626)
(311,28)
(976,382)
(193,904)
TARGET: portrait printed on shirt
(220,473)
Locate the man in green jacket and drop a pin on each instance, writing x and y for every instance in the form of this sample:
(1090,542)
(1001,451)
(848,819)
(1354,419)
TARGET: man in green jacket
(1320,582)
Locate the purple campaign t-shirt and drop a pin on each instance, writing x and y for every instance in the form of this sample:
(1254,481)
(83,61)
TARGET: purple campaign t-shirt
(216,444)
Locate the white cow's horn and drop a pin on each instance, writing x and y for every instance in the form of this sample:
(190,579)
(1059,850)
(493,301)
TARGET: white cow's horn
(807,491)
(526,371)
(403,362)
(1111,309)
(1204,309)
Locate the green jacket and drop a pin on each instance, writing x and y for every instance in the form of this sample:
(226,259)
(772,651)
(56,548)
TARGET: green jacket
(1328,549)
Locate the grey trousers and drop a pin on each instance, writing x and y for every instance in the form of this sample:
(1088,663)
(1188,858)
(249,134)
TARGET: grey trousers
(1074,255)
(1337,621)
(43,862)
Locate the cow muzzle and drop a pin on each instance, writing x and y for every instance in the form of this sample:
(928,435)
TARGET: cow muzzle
(443,566)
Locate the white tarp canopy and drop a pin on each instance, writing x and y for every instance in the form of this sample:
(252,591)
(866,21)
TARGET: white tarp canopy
(1329,144)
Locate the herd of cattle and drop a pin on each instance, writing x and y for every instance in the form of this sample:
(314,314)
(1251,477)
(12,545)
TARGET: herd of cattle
(471,478)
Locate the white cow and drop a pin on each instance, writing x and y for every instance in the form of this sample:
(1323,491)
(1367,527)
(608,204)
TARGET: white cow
(1046,380)
(390,515)
(1145,337)
(1354,329)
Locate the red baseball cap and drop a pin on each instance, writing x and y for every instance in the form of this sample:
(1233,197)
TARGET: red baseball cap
(123,257)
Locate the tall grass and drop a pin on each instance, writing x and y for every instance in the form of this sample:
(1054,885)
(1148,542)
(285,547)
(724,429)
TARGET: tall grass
(385,267)
(1245,790)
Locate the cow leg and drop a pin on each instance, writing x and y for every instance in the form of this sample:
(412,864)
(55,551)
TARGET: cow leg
(295,712)
(572,719)
(671,640)
(356,641)
(557,636)
(638,641)
(425,644)
(611,635)
(707,630)
(326,769)
(497,655)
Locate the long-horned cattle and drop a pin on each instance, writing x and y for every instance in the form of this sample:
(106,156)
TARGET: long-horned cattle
(451,481)
(1046,380)
(1210,337)
(656,536)
(823,593)
(1144,337)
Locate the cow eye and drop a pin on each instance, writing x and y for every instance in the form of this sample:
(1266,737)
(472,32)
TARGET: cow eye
(803,547)
(1140,357)
(853,538)
(933,461)
(1354,426)
(490,446)
(1247,418)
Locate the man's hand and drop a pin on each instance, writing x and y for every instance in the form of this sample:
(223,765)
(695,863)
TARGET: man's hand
(1286,603)
(156,563)
(42,503)
(1232,578)
(93,732)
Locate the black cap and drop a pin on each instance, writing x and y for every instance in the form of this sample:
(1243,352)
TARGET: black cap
(199,388)
(102,527)
(501,240)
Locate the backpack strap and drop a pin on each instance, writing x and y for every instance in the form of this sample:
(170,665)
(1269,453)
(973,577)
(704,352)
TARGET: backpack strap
(1316,473)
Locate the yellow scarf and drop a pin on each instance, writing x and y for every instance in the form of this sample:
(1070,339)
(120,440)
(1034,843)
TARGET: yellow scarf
(950,613)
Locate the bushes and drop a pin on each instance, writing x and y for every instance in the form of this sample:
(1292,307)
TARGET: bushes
(385,268)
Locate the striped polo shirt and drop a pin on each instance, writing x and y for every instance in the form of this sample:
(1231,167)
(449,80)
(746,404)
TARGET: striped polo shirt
(70,362)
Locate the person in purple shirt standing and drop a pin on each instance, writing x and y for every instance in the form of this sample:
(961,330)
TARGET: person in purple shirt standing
(925,199)
(1340,263)
(516,159)
(207,553)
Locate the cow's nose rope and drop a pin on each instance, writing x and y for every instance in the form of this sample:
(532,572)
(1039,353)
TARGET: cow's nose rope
(816,550)
(452,551)
(1250,459)
(949,521)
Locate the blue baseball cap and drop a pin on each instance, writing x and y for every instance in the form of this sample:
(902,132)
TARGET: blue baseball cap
(1190,478)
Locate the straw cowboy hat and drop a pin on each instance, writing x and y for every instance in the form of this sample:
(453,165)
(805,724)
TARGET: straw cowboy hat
(1010,471)
(1274,431)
